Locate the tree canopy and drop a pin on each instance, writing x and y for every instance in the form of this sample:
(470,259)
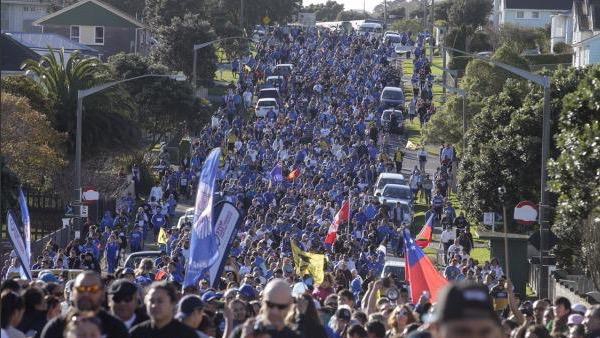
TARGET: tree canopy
(325,12)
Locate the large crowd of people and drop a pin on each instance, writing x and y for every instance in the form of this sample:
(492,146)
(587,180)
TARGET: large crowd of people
(326,139)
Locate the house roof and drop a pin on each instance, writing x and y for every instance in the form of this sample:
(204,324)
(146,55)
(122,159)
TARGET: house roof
(14,54)
(539,4)
(89,13)
(41,41)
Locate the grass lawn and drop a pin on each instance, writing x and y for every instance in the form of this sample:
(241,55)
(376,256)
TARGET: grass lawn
(224,75)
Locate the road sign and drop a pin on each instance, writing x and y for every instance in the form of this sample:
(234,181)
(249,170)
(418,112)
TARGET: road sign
(489,218)
(83,211)
(551,239)
(526,213)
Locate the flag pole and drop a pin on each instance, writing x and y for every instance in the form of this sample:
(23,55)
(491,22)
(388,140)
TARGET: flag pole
(349,210)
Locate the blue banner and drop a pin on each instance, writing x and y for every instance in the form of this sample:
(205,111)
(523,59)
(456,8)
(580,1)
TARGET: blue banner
(204,245)
(18,245)
(228,218)
(26,224)
(277,173)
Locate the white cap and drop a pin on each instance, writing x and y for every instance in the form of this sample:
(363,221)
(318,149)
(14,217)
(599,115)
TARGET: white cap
(579,308)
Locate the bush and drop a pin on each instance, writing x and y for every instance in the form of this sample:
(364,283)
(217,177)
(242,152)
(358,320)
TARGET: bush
(459,63)
(480,42)
(548,59)
(562,48)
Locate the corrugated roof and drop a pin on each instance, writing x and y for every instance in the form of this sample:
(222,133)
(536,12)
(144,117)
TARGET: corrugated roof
(539,4)
(55,41)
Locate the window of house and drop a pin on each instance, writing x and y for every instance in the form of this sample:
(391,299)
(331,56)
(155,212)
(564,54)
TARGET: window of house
(99,35)
(75,33)
(535,15)
(520,14)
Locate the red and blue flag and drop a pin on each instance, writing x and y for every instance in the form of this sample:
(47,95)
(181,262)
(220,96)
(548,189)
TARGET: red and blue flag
(424,237)
(420,272)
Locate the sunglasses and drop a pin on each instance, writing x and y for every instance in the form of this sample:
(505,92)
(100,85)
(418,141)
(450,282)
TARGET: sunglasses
(271,305)
(89,288)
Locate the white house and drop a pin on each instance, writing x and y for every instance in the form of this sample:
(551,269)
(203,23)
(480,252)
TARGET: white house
(581,29)
(528,13)
(18,15)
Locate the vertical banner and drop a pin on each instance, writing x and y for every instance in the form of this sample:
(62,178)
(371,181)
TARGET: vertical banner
(228,218)
(204,246)
(17,242)
(26,221)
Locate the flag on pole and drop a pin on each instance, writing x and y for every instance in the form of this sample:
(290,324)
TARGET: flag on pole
(277,173)
(343,215)
(204,246)
(424,237)
(18,244)
(307,262)
(422,275)
(26,225)
(294,174)
(162,236)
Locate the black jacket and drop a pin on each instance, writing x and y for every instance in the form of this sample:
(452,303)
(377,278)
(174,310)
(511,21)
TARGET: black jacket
(111,326)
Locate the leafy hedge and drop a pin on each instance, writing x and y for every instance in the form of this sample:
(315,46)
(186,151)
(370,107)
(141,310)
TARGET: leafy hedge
(549,59)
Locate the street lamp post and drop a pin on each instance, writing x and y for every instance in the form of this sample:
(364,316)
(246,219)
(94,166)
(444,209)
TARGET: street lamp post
(204,45)
(502,193)
(81,94)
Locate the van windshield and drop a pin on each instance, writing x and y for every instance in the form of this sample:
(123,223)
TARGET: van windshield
(395,180)
(393,95)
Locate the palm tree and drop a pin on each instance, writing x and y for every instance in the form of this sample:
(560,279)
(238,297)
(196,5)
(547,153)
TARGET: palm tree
(106,120)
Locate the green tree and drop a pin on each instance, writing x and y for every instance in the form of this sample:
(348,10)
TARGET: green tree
(408,25)
(163,105)
(160,13)
(524,37)
(574,173)
(135,8)
(30,146)
(467,16)
(26,87)
(352,15)
(441,10)
(105,120)
(9,193)
(325,12)
(175,43)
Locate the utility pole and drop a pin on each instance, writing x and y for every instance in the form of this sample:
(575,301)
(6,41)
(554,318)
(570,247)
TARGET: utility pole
(385,13)
(543,208)
(431,42)
(242,14)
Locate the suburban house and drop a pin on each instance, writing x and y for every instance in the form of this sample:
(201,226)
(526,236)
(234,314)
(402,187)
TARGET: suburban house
(528,13)
(13,55)
(101,26)
(580,28)
(42,43)
(19,15)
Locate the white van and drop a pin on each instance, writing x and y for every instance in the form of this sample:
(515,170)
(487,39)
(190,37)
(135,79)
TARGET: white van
(387,178)
(371,29)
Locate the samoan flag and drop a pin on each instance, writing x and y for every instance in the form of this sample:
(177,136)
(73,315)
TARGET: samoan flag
(204,244)
(277,173)
(425,236)
(420,272)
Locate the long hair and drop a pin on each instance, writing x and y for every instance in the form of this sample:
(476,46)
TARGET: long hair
(11,303)
(311,324)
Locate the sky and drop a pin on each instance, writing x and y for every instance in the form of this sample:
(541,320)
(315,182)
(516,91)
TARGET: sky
(348,4)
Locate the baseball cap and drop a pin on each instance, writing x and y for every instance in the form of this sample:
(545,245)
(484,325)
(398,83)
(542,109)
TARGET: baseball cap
(575,319)
(465,300)
(122,287)
(211,295)
(187,305)
(579,308)
(49,277)
(247,291)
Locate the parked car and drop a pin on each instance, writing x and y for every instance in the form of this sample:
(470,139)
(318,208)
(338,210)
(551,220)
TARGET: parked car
(284,69)
(387,178)
(395,267)
(263,106)
(269,93)
(393,193)
(392,97)
(392,115)
(134,259)
(371,29)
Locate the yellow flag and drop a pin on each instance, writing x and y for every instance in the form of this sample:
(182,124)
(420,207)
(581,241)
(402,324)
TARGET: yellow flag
(411,146)
(162,236)
(309,263)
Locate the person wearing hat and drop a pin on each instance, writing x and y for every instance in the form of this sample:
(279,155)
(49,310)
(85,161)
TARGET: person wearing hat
(190,311)
(123,301)
(465,310)
(579,308)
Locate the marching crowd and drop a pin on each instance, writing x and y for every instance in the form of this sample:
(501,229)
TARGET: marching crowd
(289,173)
